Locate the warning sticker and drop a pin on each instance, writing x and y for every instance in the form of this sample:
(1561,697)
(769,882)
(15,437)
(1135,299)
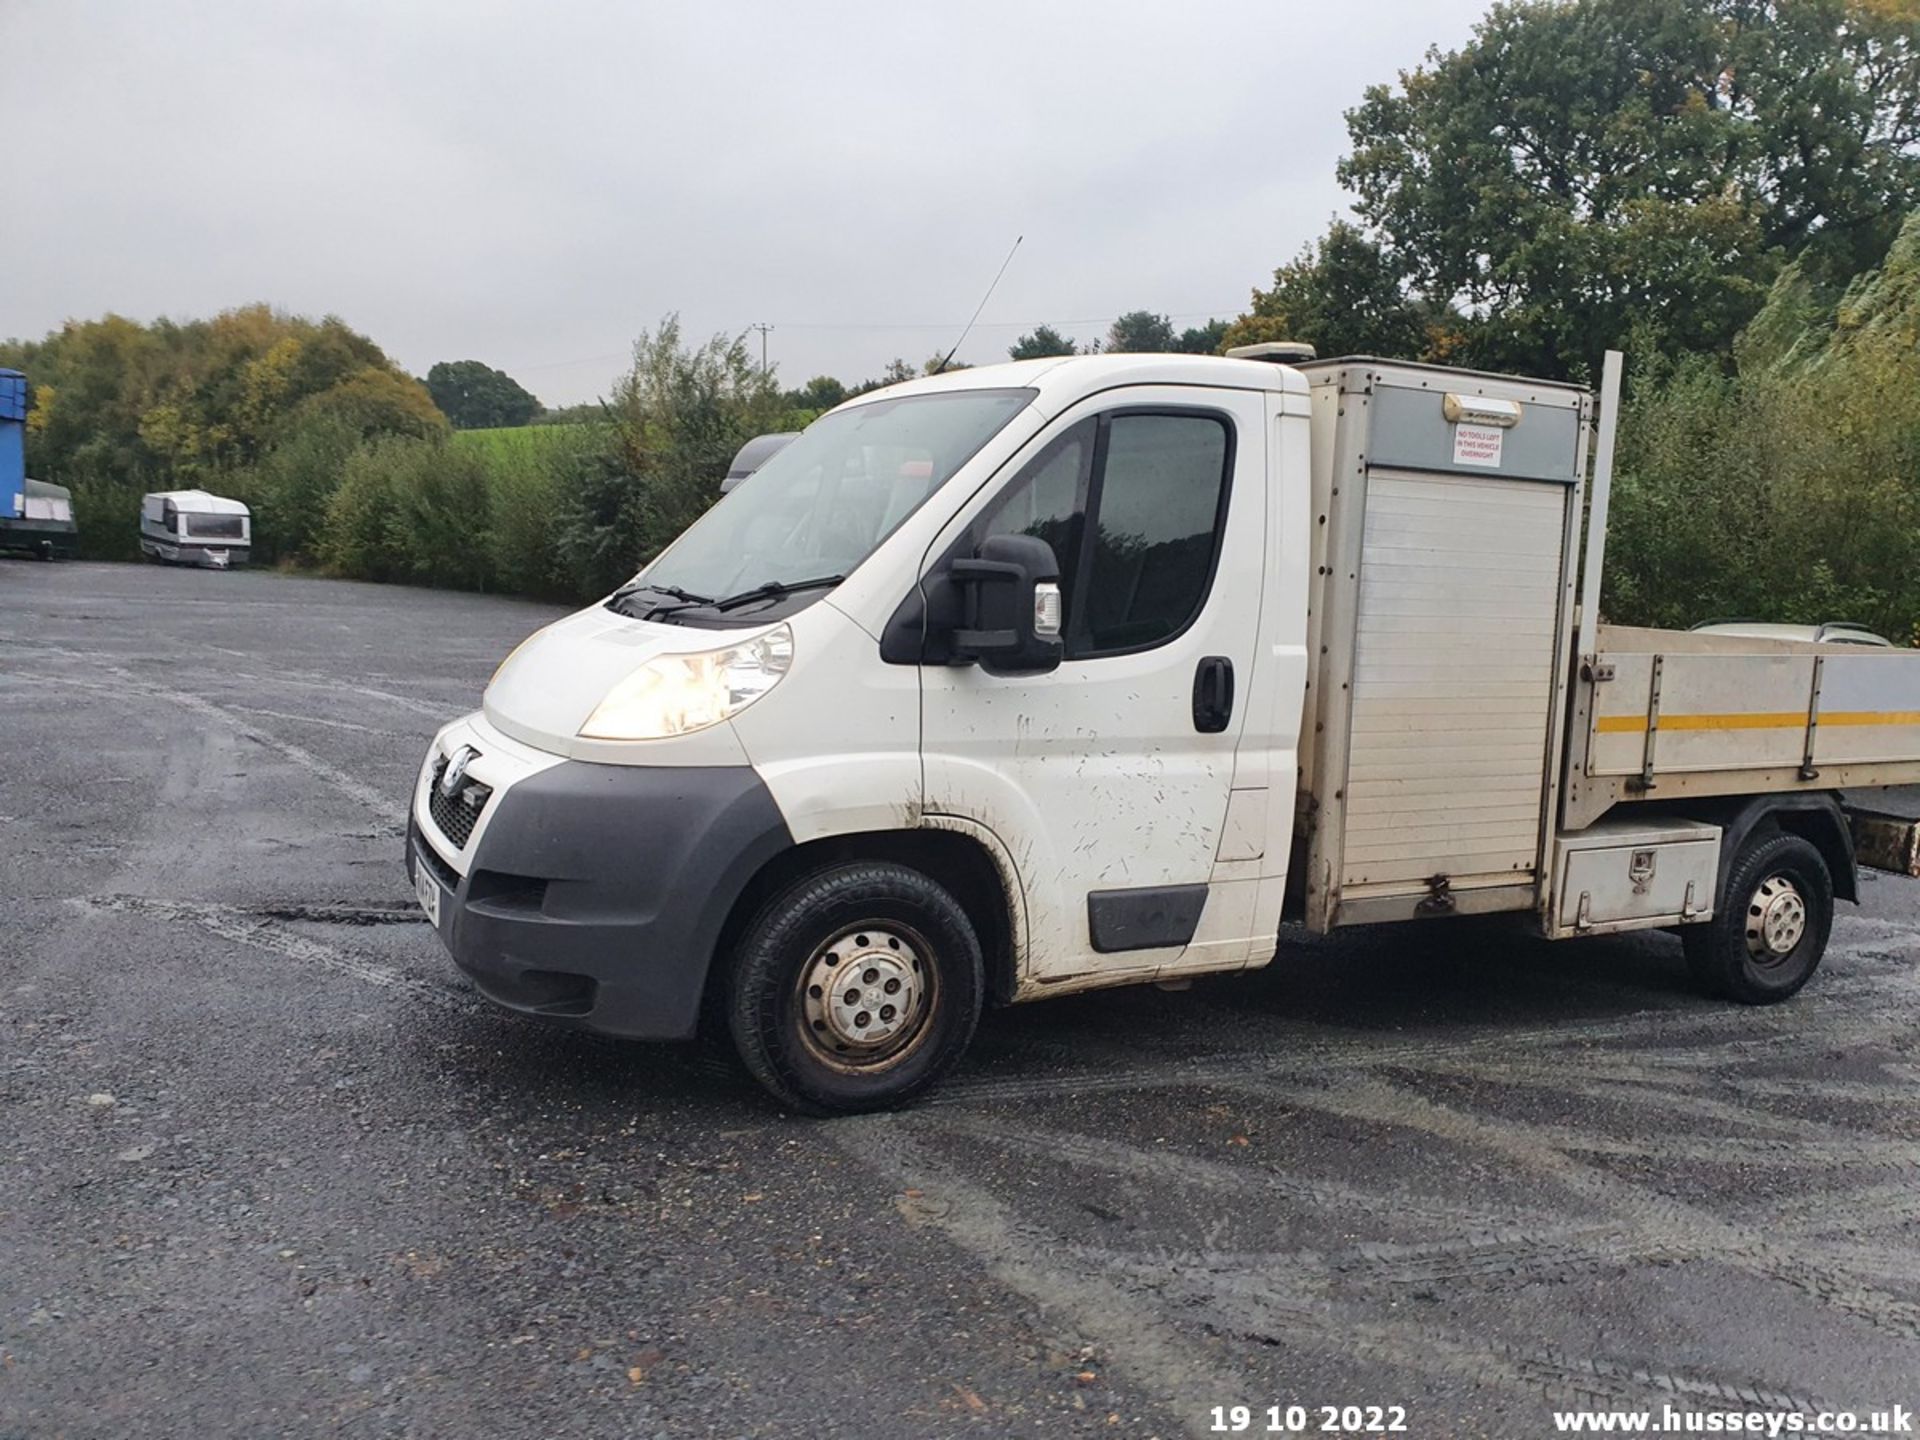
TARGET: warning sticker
(1477,444)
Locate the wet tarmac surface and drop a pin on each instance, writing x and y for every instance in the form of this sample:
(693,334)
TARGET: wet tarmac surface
(271,1167)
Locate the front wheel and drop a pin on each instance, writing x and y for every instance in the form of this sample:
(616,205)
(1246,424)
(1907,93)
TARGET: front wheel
(855,988)
(1770,933)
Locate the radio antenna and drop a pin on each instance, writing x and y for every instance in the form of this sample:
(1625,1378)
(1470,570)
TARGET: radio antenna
(941,367)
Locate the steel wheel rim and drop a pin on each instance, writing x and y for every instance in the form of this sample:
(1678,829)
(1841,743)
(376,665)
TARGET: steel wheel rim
(1776,921)
(865,996)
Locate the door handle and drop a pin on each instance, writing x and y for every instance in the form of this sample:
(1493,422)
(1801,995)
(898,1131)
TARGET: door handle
(1213,694)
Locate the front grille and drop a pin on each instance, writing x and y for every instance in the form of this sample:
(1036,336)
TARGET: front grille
(458,813)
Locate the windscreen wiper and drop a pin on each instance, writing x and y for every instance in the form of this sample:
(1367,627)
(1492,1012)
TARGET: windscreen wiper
(619,601)
(674,591)
(774,589)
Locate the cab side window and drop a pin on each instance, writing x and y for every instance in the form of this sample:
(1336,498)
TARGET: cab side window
(1162,478)
(1132,504)
(1048,500)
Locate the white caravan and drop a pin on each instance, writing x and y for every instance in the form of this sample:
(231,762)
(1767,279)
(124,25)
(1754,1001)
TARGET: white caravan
(1031,678)
(192,527)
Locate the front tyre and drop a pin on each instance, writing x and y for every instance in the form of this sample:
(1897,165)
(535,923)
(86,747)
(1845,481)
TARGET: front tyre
(1767,939)
(855,989)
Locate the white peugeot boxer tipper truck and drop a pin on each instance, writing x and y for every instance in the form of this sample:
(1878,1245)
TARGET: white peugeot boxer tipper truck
(1032,678)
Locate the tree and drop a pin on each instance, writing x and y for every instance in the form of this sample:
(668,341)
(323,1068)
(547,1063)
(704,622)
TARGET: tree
(1207,339)
(1041,343)
(1342,296)
(123,407)
(1584,165)
(1140,332)
(678,415)
(412,510)
(822,392)
(296,481)
(475,396)
(1815,447)
(376,402)
(362,535)
(898,372)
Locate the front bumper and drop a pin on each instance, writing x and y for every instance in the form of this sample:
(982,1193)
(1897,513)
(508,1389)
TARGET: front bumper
(211,555)
(594,894)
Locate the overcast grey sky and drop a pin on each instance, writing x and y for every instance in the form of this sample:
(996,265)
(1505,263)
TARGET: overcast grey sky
(533,185)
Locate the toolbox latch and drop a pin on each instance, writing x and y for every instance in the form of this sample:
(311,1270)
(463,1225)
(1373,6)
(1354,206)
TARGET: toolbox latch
(1439,899)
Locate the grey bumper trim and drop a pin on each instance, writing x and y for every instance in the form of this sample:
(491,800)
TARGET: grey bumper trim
(597,893)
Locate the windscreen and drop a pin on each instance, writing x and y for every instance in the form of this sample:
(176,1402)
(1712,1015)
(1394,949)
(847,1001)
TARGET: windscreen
(825,502)
(47,507)
(214,527)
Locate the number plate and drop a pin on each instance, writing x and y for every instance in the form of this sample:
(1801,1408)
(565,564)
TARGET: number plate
(427,889)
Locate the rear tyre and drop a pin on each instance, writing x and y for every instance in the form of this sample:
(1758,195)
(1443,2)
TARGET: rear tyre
(855,989)
(1770,933)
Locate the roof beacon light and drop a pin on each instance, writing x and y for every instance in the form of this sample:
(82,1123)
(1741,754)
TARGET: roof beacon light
(1280,352)
(1480,410)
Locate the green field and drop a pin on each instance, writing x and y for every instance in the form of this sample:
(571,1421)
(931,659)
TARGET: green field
(518,442)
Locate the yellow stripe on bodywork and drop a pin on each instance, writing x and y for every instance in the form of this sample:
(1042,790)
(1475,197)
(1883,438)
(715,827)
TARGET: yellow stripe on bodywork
(1752,720)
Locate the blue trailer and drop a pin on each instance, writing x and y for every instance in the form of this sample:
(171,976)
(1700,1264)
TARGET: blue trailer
(34,516)
(13,444)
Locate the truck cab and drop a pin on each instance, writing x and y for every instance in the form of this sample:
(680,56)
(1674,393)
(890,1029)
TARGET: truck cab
(1013,658)
(1033,678)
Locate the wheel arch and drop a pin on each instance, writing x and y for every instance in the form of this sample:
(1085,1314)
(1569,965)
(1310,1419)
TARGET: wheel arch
(960,862)
(1816,818)
(1826,829)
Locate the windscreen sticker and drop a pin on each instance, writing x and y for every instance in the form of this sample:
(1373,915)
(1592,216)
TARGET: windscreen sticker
(1477,444)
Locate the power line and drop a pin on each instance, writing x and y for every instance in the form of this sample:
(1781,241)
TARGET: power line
(606,359)
(1229,310)
(899,326)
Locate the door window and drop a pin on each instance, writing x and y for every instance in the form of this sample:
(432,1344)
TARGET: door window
(1048,500)
(1156,531)
(1132,504)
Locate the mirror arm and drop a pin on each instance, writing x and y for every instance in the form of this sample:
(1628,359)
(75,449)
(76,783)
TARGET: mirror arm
(984,639)
(971,570)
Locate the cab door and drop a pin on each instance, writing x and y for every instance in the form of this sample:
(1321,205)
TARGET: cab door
(1106,781)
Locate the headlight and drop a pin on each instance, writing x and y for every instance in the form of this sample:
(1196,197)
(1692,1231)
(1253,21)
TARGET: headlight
(678,694)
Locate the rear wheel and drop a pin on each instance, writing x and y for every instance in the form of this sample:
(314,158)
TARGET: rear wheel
(855,988)
(1771,931)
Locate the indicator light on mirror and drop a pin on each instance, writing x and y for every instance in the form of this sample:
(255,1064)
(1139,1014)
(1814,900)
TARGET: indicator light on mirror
(1046,610)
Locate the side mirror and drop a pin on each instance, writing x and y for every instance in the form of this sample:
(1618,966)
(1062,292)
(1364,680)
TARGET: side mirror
(1012,606)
